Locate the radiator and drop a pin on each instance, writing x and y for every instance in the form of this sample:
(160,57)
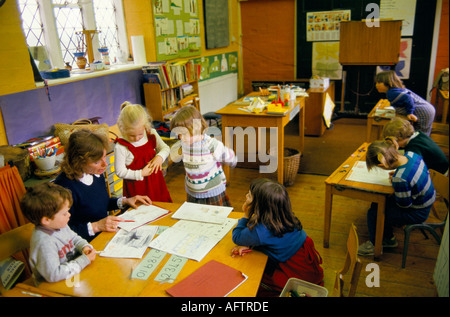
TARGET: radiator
(217,92)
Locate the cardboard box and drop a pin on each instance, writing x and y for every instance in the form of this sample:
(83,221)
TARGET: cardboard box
(319,82)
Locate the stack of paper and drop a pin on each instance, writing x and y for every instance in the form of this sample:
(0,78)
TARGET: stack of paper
(388,112)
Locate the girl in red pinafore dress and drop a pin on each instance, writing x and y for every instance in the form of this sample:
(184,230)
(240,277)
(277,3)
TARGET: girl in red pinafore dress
(139,155)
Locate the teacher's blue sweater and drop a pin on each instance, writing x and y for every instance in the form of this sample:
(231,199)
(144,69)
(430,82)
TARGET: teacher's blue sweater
(278,249)
(90,203)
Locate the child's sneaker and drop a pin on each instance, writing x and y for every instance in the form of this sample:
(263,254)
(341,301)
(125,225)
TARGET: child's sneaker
(367,248)
(390,243)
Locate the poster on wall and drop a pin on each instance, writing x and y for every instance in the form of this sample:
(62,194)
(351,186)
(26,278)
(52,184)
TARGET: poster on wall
(325,60)
(404,10)
(217,65)
(177,28)
(404,62)
(325,25)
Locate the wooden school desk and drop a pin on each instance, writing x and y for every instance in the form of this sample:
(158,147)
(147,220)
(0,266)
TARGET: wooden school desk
(375,124)
(336,184)
(107,277)
(232,116)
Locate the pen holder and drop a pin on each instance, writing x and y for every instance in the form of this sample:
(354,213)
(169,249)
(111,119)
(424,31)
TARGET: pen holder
(45,163)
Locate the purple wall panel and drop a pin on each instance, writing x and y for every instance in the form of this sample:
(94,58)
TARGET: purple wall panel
(30,114)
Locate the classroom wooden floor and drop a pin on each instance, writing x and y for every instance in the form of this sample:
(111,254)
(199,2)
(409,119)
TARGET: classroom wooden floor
(307,196)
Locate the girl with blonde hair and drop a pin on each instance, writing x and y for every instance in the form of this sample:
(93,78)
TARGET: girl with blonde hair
(139,154)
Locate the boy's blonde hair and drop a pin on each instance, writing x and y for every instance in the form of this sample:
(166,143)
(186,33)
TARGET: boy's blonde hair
(130,116)
(44,200)
(398,128)
(388,148)
(185,118)
(389,78)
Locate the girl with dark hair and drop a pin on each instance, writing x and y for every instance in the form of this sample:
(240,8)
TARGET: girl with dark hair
(270,226)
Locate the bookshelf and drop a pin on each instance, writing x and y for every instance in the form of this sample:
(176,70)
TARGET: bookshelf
(168,83)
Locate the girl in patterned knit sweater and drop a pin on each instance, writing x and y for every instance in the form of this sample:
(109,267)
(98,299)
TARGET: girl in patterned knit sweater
(202,157)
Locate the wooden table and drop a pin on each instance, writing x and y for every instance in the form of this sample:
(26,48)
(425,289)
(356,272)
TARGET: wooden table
(232,116)
(107,277)
(336,184)
(375,124)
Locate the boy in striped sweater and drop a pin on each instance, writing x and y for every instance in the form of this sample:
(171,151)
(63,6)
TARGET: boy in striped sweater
(413,197)
(202,157)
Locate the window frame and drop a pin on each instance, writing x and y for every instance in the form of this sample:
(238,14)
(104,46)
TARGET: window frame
(51,35)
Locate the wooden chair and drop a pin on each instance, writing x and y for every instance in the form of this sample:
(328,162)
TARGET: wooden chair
(191,100)
(440,183)
(352,266)
(14,241)
(440,135)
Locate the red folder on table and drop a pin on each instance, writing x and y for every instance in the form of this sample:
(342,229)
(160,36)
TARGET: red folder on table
(213,279)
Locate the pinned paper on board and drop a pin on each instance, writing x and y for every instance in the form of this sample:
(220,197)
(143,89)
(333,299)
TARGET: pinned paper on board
(325,60)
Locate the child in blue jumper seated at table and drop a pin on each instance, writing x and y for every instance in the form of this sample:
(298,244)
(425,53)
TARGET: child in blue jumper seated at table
(56,252)
(413,197)
(270,226)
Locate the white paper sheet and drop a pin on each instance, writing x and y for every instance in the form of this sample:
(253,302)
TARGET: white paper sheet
(202,213)
(141,216)
(192,239)
(359,173)
(130,244)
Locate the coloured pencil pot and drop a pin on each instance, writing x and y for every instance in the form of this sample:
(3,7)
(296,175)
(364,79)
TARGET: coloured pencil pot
(45,163)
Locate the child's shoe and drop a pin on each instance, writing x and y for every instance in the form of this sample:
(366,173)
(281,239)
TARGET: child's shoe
(390,243)
(367,248)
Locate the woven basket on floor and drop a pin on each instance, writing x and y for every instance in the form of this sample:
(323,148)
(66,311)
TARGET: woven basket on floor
(291,164)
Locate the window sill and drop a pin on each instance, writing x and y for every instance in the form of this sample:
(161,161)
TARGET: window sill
(81,75)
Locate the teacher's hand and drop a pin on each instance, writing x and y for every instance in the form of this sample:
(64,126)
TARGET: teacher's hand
(109,223)
(138,198)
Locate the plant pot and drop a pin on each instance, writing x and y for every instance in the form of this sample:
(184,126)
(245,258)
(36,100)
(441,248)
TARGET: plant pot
(81,62)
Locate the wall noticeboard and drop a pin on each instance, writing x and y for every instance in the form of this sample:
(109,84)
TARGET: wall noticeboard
(217,30)
(217,65)
(177,28)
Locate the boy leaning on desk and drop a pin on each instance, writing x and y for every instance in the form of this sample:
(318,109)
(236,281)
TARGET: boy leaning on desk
(56,252)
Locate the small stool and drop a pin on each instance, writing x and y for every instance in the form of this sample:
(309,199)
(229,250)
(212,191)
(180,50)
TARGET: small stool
(209,116)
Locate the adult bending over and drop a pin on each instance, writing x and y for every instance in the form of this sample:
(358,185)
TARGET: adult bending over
(82,172)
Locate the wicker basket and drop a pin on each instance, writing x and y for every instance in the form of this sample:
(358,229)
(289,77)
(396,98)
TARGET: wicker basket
(291,165)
